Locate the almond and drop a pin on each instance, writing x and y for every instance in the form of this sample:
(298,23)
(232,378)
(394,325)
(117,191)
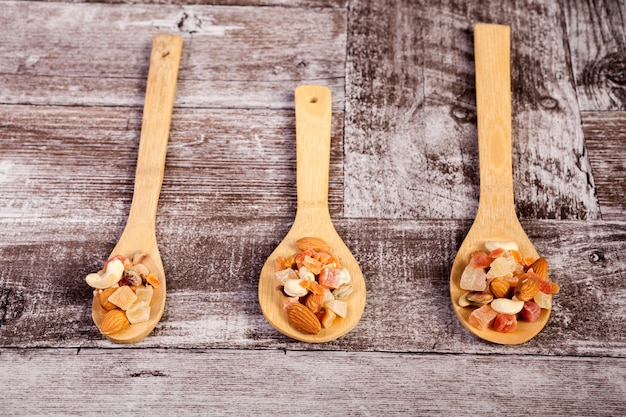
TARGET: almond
(540,267)
(303,319)
(500,287)
(527,289)
(314,243)
(114,321)
(103,298)
(314,302)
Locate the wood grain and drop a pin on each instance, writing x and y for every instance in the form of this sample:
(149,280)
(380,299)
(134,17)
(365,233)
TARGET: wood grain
(234,57)
(246,383)
(213,160)
(605,138)
(596,33)
(403,188)
(213,263)
(410,138)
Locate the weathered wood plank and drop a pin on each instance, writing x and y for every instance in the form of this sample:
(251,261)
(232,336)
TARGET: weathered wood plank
(605,137)
(411,147)
(233,57)
(246,383)
(596,32)
(75,162)
(282,3)
(212,265)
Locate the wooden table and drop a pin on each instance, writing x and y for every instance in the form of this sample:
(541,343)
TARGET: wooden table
(403,191)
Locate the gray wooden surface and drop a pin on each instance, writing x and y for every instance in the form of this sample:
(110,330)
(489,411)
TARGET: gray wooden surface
(403,190)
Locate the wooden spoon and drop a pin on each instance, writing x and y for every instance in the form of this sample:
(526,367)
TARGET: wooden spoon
(139,233)
(496,218)
(313,123)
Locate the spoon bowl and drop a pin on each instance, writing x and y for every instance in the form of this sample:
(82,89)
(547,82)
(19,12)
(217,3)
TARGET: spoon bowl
(140,231)
(496,219)
(313,127)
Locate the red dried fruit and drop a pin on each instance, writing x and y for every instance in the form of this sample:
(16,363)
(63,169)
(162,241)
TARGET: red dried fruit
(531,311)
(505,323)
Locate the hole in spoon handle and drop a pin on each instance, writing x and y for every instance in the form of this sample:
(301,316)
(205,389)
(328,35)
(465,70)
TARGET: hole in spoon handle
(493,109)
(313,127)
(155,128)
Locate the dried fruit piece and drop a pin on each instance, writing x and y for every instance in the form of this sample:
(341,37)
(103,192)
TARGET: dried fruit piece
(123,297)
(153,280)
(139,312)
(544,300)
(144,294)
(333,278)
(500,267)
(531,311)
(339,307)
(314,243)
(473,279)
(527,289)
(303,319)
(505,323)
(328,319)
(482,317)
(103,298)
(114,321)
(500,287)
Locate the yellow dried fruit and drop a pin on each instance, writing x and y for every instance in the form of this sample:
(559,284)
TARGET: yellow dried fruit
(500,287)
(314,243)
(114,321)
(123,297)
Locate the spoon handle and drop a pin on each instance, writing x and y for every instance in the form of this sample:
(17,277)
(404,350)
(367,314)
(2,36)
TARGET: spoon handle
(313,118)
(493,110)
(155,128)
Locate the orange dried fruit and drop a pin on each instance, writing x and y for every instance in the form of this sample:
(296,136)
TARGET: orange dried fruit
(153,280)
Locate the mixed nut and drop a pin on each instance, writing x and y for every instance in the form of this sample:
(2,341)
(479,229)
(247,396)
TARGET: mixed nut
(314,285)
(502,286)
(124,289)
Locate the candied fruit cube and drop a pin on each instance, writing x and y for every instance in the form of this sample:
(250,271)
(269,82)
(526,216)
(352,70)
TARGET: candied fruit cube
(123,297)
(505,323)
(530,311)
(482,317)
(473,279)
(500,267)
(333,278)
(544,300)
(144,294)
(138,313)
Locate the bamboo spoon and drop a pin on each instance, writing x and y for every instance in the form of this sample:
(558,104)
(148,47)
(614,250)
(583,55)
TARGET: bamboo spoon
(313,122)
(139,233)
(496,218)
